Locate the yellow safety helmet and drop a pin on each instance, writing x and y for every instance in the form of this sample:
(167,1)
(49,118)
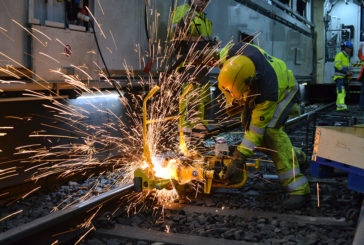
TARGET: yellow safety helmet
(235,77)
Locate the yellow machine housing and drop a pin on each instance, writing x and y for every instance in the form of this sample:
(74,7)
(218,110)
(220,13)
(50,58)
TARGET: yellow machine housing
(208,169)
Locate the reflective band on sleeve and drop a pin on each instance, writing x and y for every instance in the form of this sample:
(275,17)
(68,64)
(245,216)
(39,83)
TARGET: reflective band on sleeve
(281,105)
(256,130)
(338,61)
(289,174)
(298,183)
(248,144)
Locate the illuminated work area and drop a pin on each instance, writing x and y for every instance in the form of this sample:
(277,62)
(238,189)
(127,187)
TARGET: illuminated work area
(181,122)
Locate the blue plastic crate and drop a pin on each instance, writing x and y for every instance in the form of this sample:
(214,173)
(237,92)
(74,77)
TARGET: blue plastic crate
(323,168)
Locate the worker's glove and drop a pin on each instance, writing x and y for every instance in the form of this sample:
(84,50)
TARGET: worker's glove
(349,75)
(234,172)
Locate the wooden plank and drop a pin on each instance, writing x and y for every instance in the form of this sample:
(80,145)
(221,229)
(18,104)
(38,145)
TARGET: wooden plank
(135,233)
(340,144)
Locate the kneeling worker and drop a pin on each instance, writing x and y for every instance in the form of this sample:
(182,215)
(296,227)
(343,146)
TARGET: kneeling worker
(266,89)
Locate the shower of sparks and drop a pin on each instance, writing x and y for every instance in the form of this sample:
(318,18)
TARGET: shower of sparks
(102,10)
(318,194)
(7,127)
(42,33)
(84,235)
(30,33)
(4,32)
(168,229)
(10,215)
(32,191)
(96,22)
(81,148)
(293,168)
(113,40)
(50,57)
(6,71)
(265,149)
(4,194)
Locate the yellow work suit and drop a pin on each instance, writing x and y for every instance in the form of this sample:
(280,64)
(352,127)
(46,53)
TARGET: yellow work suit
(342,68)
(200,25)
(199,30)
(273,93)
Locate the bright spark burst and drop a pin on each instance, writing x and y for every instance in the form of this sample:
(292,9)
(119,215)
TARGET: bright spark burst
(10,215)
(318,194)
(80,147)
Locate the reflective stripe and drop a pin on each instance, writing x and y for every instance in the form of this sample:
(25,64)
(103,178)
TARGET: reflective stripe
(338,61)
(296,184)
(248,144)
(289,174)
(338,71)
(281,106)
(256,130)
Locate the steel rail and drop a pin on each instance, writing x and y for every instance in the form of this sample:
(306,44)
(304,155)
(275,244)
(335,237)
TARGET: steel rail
(308,114)
(289,122)
(61,225)
(359,234)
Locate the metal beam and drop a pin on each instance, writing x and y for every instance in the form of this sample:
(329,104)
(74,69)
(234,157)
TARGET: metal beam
(63,222)
(308,114)
(135,233)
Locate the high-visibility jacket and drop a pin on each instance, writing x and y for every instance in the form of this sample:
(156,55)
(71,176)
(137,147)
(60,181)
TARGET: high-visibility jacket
(361,57)
(200,25)
(342,65)
(275,92)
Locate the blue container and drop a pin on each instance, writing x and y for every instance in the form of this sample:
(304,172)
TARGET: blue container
(320,171)
(323,168)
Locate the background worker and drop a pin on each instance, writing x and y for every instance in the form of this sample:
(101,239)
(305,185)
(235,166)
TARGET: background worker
(190,26)
(361,79)
(342,74)
(192,32)
(266,89)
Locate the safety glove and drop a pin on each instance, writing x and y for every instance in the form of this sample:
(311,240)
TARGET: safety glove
(234,172)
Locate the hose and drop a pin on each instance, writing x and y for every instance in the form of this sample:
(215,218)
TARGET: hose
(103,61)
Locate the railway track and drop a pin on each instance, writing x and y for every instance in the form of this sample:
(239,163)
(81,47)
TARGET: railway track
(249,215)
(65,225)
(221,218)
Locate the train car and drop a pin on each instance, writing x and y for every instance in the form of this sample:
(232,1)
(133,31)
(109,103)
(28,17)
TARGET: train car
(41,37)
(46,44)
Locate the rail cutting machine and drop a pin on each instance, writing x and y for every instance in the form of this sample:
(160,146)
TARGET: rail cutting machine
(184,167)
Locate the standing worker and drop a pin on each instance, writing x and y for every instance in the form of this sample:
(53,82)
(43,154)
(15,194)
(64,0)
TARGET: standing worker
(342,74)
(361,79)
(191,27)
(192,30)
(266,89)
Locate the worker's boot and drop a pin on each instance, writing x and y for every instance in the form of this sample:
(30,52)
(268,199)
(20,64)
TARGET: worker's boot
(296,201)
